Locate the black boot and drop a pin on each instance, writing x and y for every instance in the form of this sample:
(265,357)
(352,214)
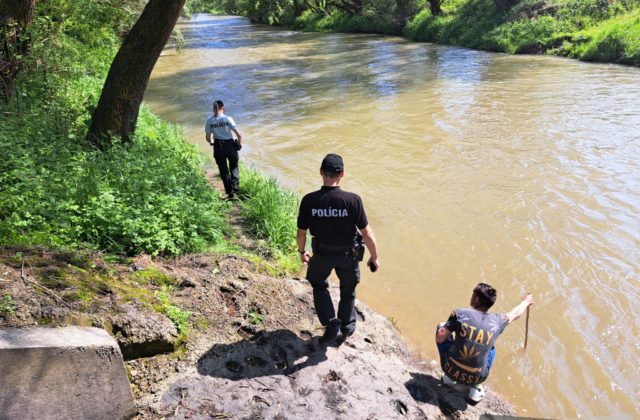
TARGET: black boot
(332,331)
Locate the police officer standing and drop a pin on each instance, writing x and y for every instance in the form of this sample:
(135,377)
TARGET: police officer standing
(335,218)
(225,148)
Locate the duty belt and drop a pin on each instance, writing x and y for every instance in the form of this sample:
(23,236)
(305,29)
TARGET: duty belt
(331,250)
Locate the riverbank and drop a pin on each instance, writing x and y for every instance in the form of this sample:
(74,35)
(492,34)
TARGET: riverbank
(589,30)
(246,344)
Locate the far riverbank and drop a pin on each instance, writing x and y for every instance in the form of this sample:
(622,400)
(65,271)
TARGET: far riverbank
(589,30)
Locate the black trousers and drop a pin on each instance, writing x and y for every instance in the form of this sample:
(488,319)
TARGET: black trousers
(224,151)
(348,272)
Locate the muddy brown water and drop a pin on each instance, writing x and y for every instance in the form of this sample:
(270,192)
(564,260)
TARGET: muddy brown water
(520,171)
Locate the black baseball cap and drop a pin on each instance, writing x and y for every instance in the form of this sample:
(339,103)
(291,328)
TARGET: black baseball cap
(332,163)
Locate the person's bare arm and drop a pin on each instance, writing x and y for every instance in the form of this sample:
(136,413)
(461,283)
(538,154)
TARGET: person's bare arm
(519,309)
(208,138)
(442,333)
(301,240)
(235,130)
(372,245)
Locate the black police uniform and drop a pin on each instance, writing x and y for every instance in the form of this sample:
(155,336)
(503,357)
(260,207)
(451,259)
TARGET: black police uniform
(226,150)
(332,216)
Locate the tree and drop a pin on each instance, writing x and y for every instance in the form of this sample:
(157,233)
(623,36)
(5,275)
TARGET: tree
(15,16)
(504,5)
(436,7)
(119,104)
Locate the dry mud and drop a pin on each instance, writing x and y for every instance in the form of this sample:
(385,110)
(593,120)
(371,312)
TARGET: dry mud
(252,350)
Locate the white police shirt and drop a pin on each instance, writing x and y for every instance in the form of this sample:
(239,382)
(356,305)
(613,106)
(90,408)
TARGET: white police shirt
(220,126)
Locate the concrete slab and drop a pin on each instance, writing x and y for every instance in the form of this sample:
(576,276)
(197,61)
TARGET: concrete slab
(62,373)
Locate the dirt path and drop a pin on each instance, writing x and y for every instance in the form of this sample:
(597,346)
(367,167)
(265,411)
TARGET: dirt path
(252,349)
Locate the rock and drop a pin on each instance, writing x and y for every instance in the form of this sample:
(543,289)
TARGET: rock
(56,373)
(188,282)
(143,333)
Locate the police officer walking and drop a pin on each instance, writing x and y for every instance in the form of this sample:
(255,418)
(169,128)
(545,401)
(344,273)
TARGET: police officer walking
(225,148)
(338,226)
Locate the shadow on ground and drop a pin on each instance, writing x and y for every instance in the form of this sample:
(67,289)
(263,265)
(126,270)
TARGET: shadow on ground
(266,353)
(428,389)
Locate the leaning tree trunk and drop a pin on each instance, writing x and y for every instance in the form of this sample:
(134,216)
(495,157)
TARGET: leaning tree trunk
(14,41)
(119,103)
(504,5)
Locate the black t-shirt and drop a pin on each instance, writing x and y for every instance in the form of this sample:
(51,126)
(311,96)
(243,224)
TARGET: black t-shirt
(332,215)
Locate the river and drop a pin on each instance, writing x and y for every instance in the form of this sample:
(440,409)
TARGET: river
(518,171)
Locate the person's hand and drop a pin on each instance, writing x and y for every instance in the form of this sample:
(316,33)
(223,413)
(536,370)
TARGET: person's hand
(305,257)
(528,299)
(373,262)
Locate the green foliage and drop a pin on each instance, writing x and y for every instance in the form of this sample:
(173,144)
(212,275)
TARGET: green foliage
(179,317)
(153,276)
(269,210)
(585,29)
(616,40)
(150,196)
(7,305)
(526,36)
(368,22)
(600,30)
(254,317)
(271,12)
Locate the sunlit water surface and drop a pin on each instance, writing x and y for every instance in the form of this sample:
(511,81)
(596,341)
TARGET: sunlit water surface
(519,171)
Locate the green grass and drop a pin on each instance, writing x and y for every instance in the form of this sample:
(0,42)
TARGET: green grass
(56,190)
(269,210)
(270,213)
(339,22)
(593,30)
(615,40)
(7,305)
(179,317)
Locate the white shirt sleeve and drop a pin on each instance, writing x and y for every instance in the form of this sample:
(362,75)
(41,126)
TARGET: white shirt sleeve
(232,122)
(207,130)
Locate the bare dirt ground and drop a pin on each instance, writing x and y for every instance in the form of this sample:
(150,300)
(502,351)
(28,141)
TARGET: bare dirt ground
(251,350)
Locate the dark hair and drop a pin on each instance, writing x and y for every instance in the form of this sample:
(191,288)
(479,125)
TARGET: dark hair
(486,294)
(217,105)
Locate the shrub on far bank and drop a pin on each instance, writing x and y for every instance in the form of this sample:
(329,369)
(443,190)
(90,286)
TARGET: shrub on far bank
(368,22)
(617,40)
(593,30)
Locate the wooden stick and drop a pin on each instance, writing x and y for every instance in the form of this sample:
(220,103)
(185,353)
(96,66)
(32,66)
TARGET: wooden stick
(526,329)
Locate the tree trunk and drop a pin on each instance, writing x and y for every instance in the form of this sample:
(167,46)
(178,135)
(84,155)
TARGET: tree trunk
(504,5)
(14,42)
(436,7)
(119,103)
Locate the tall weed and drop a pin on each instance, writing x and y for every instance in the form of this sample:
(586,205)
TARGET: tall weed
(269,210)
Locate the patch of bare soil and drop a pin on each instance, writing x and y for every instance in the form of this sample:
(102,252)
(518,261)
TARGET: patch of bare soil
(252,349)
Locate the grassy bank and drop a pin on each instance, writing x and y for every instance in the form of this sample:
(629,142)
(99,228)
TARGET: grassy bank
(149,196)
(593,30)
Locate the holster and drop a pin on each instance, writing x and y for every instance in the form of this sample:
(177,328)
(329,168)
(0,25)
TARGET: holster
(357,250)
(354,251)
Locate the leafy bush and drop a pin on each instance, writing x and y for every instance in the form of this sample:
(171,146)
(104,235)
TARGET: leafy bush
(583,29)
(526,35)
(7,305)
(56,190)
(269,210)
(616,40)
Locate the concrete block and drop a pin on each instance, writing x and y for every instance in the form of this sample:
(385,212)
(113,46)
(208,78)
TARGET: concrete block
(62,373)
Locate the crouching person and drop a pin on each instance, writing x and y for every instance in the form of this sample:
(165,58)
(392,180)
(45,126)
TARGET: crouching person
(466,341)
